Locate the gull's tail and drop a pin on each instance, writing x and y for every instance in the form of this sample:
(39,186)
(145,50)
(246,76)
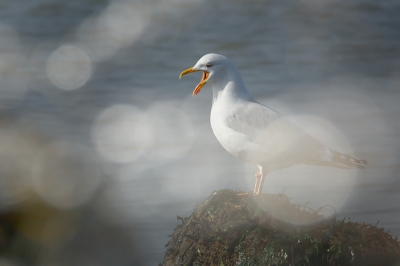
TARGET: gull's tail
(342,160)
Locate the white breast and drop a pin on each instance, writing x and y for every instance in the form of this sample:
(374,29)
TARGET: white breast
(236,143)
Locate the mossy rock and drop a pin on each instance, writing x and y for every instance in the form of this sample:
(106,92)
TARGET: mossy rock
(228,229)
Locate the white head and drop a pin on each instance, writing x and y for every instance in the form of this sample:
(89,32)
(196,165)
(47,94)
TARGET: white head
(215,67)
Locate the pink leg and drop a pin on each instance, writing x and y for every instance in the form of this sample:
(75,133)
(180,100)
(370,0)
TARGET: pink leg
(257,184)
(260,186)
(260,177)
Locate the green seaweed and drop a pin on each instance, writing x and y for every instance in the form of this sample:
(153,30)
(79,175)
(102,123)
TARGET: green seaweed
(227,229)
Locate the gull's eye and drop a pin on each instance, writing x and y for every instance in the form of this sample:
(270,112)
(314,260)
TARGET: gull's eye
(209,65)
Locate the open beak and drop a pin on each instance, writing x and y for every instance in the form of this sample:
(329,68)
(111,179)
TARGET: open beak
(203,80)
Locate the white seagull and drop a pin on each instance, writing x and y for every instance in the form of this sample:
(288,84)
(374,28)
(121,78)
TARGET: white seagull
(254,132)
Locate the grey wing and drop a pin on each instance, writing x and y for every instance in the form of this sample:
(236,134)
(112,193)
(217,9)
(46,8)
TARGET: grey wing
(278,137)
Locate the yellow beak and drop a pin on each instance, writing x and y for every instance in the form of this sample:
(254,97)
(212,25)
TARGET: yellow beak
(203,80)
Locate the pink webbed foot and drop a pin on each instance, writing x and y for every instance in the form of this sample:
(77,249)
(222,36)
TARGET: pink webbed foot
(243,194)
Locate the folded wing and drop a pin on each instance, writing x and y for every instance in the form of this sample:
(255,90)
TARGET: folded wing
(284,141)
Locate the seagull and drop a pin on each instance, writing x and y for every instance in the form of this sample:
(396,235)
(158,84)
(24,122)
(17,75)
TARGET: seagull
(255,133)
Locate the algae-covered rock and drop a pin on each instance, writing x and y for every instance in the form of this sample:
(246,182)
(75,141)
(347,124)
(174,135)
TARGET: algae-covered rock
(228,229)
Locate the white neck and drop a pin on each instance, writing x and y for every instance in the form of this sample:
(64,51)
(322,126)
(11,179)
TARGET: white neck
(231,86)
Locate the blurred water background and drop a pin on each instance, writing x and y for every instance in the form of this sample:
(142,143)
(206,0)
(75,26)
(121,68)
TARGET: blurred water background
(102,146)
